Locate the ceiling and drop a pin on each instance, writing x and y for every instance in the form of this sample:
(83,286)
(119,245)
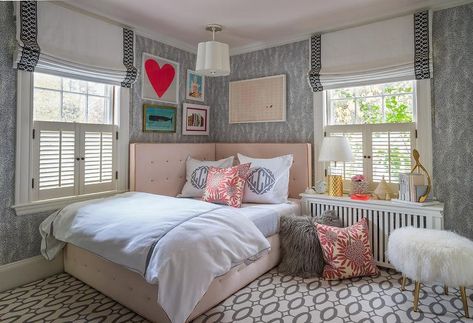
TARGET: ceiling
(248,24)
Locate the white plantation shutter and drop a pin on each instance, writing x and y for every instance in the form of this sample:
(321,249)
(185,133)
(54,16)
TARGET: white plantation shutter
(355,138)
(55,155)
(98,167)
(391,152)
(378,150)
(73,159)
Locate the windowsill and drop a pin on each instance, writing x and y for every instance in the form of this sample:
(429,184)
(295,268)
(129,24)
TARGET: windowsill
(50,205)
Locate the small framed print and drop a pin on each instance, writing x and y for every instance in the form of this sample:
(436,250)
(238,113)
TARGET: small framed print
(195,119)
(195,86)
(159,118)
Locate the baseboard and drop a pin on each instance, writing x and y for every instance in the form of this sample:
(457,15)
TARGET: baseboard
(27,270)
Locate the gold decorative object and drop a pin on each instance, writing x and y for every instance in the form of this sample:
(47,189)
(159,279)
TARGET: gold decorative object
(419,166)
(382,191)
(335,185)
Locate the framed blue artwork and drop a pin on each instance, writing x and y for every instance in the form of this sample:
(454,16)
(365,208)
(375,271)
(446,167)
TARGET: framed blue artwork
(159,118)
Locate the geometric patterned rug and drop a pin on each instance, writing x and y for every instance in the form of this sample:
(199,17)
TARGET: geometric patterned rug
(277,298)
(271,298)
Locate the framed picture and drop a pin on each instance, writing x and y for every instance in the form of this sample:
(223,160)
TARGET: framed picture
(159,79)
(258,100)
(159,118)
(195,86)
(195,119)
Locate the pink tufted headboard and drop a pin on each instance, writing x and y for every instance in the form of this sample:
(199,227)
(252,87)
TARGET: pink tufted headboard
(161,168)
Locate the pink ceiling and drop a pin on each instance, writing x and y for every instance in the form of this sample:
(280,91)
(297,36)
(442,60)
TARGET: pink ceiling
(247,23)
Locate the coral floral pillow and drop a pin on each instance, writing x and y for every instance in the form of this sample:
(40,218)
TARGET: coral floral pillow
(226,185)
(347,251)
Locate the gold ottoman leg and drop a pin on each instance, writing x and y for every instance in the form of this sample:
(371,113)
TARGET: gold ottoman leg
(403,283)
(416,295)
(445,289)
(465,301)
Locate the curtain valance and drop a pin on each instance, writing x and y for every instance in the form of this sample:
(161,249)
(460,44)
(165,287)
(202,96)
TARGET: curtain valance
(386,51)
(58,40)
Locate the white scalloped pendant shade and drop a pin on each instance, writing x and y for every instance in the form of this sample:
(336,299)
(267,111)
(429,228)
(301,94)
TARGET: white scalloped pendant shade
(213,59)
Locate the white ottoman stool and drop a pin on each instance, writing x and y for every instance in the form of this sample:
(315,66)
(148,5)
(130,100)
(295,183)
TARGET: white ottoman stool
(425,255)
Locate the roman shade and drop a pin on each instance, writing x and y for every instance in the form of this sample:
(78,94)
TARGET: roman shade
(55,39)
(386,51)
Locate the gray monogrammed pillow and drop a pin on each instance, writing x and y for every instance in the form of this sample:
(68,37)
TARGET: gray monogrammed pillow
(196,175)
(268,179)
(301,254)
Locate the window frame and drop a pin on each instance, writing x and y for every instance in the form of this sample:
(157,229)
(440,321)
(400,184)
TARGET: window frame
(422,115)
(24,169)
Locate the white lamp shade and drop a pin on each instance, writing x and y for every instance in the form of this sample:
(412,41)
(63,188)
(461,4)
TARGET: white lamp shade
(213,59)
(335,149)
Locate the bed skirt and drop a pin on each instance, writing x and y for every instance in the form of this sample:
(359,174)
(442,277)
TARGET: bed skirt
(131,289)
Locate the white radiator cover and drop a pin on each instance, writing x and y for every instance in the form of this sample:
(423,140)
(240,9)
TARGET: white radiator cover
(383,217)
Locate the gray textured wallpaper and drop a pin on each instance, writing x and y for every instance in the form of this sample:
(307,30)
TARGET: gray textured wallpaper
(186,61)
(291,60)
(19,236)
(453,115)
(452,128)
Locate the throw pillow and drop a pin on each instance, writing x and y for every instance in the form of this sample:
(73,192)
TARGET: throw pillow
(347,251)
(196,175)
(268,181)
(226,185)
(301,254)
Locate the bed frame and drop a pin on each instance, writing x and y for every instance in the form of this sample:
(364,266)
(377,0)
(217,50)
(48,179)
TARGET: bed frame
(160,169)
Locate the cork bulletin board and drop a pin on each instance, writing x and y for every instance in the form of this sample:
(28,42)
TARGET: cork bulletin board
(258,100)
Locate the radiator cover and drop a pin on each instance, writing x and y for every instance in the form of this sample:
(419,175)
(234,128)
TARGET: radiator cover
(383,217)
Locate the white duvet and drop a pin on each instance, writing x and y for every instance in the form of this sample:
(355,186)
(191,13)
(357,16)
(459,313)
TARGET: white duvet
(179,244)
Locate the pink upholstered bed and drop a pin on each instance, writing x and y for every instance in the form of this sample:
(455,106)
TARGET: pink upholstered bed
(160,169)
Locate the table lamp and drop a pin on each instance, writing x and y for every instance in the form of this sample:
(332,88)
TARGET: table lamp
(335,149)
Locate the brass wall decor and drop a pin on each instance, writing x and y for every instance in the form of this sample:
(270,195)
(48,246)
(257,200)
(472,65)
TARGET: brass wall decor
(419,167)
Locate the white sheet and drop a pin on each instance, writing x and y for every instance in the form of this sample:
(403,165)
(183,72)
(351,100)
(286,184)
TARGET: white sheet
(266,216)
(180,244)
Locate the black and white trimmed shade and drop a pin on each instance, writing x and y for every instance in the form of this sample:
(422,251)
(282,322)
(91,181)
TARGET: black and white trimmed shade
(83,46)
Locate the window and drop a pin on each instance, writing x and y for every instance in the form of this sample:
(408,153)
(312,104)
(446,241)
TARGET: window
(63,99)
(74,137)
(378,121)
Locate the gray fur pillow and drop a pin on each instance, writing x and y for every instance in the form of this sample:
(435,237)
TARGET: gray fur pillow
(301,253)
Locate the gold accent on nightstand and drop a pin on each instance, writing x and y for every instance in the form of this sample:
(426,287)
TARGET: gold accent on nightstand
(335,185)
(416,156)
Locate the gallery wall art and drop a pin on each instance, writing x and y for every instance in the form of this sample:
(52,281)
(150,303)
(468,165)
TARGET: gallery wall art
(195,119)
(195,86)
(159,118)
(258,100)
(160,79)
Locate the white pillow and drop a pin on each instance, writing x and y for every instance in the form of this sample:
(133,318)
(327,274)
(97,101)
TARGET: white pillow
(196,175)
(268,181)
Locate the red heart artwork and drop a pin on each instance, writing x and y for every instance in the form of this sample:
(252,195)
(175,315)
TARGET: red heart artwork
(159,77)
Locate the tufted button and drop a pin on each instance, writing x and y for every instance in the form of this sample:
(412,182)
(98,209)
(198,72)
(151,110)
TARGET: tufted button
(152,162)
(151,180)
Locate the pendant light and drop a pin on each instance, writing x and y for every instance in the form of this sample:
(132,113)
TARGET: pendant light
(213,58)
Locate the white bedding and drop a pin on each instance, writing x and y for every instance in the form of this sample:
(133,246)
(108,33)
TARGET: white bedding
(180,244)
(266,216)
